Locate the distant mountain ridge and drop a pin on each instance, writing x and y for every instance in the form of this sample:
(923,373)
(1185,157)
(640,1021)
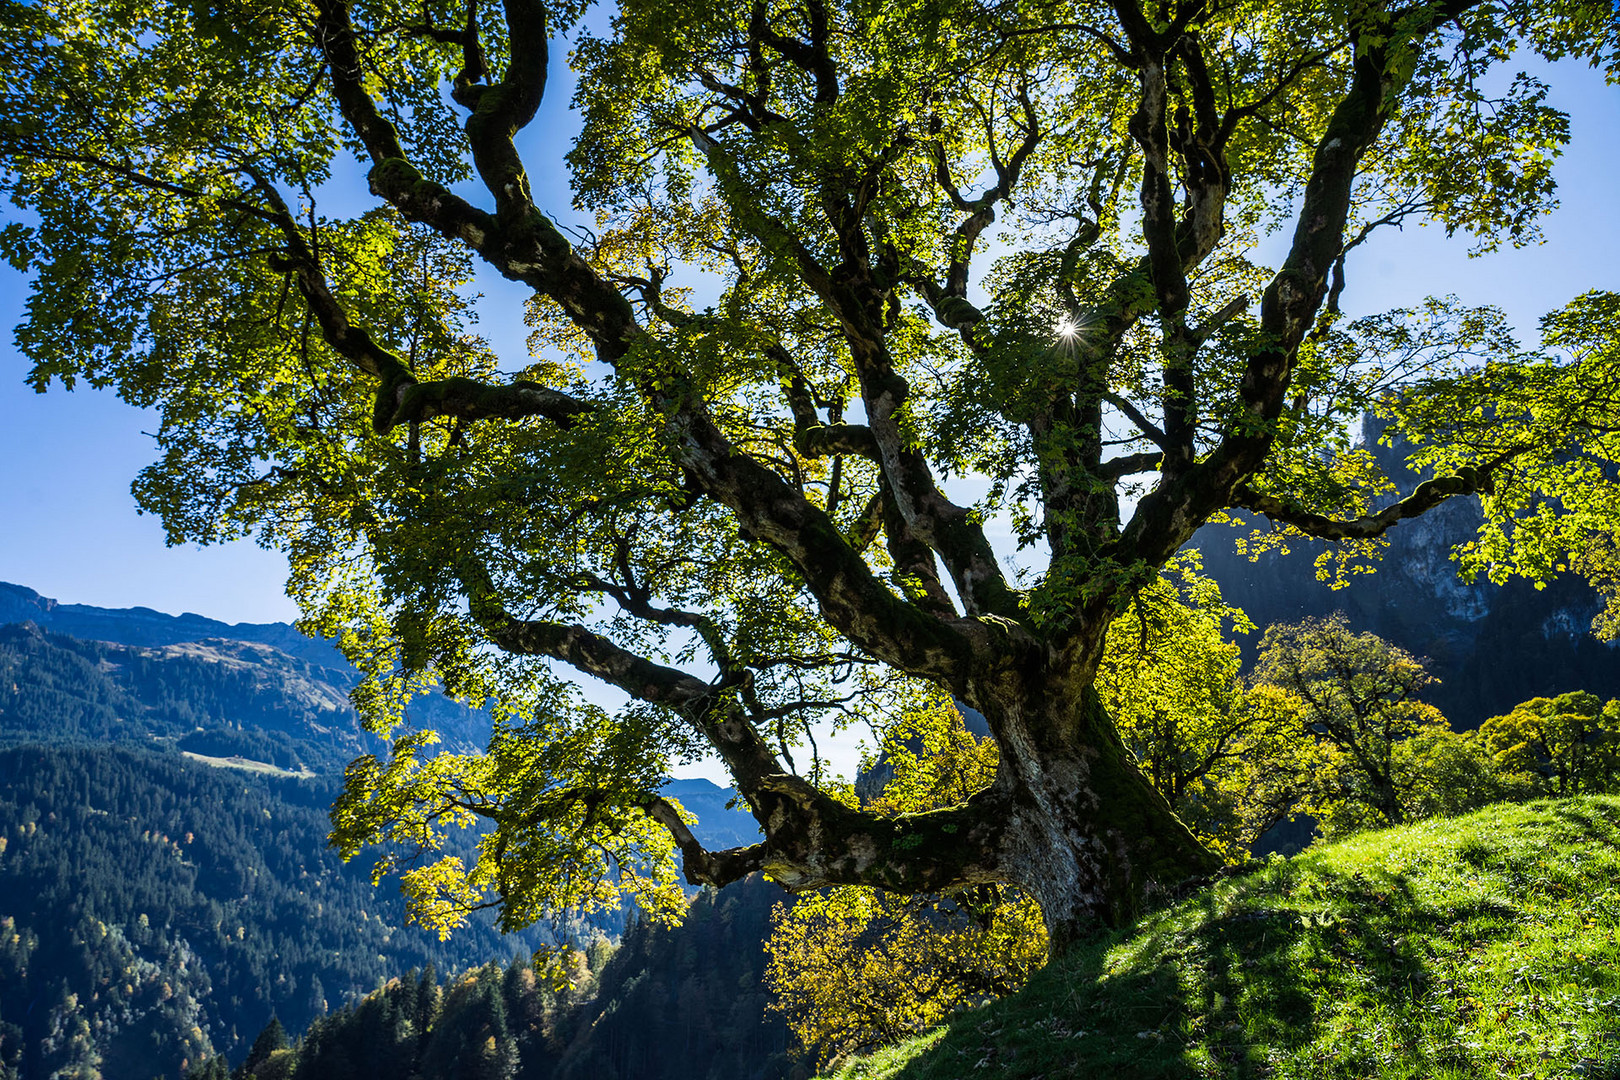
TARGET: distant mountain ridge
(262,691)
(215,696)
(144,626)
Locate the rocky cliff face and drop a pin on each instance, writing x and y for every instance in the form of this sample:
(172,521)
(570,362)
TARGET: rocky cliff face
(1491,646)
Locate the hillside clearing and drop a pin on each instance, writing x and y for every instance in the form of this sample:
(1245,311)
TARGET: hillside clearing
(247,765)
(1479,946)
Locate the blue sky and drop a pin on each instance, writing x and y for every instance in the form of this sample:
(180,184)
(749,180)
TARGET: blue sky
(69,527)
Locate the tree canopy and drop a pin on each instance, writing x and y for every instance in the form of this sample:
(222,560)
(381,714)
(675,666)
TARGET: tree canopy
(864,278)
(1558,746)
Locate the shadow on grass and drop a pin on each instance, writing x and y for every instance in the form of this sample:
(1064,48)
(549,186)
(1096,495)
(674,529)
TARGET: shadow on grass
(1226,986)
(1589,820)
(1478,946)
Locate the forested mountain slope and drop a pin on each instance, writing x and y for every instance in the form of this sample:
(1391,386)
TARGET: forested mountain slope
(682,1003)
(153,909)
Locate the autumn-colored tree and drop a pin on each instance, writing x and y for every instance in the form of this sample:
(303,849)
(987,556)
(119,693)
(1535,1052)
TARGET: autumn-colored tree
(1445,773)
(1357,695)
(855,967)
(1230,759)
(780,392)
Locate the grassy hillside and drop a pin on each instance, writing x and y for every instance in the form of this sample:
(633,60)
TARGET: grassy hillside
(1481,946)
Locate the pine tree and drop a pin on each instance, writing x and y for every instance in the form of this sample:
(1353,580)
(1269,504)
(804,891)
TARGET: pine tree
(214,1068)
(271,1039)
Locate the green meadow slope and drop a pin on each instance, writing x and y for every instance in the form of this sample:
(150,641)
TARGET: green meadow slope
(1480,946)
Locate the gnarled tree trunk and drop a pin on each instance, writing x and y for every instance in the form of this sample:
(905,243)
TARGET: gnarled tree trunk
(1088,836)
(1069,818)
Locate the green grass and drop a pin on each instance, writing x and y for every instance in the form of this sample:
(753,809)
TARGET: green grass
(1481,946)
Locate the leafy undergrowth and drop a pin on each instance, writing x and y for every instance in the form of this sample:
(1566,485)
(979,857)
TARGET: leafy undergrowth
(1481,946)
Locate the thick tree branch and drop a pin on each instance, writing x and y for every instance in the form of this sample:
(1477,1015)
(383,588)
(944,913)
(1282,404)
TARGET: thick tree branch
(813,841)
(831,440)
(817,841)
(813,57)
(470,399)
(1167,516)
(812,437)
(1425,497)
(1130,464)
(1174,244)
(521,243)
(853,599)
(859,303)
(505,108)
(597,656)
(391,177)
(944,526)
(914,568)
(400,398)
(703,867)
(953,312)
(334,35)
(706,707)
